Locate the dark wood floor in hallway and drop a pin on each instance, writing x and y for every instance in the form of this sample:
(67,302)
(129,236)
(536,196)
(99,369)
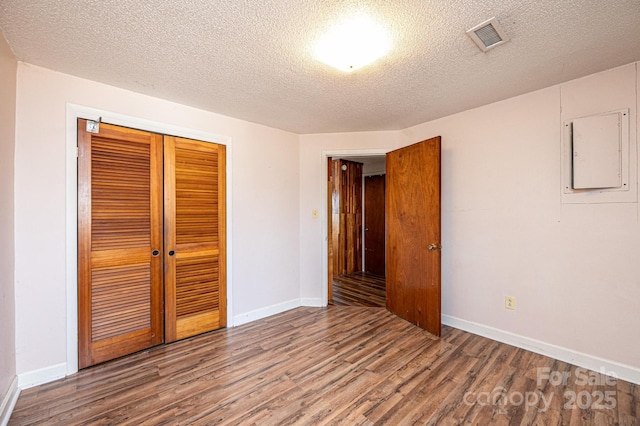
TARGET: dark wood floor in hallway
(359,289)
(335,365)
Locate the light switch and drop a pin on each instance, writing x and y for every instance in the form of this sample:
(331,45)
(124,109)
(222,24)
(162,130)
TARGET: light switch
(597,155)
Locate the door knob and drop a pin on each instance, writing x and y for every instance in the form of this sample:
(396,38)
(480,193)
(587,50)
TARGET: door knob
(171,252)
(155,253)
(434,246)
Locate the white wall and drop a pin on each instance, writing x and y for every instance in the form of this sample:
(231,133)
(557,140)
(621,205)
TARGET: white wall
(573,269)
(374,166)
(265,203)
(8,67)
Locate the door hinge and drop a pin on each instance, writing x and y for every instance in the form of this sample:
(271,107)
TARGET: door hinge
(77,152)
(94,126)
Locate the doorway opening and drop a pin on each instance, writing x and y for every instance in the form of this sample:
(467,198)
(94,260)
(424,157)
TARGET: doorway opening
(412,231)
(356,230)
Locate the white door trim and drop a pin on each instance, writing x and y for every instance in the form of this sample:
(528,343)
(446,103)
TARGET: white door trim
(79,111)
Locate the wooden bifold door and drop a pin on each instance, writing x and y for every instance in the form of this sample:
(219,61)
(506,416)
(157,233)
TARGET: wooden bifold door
(151,240)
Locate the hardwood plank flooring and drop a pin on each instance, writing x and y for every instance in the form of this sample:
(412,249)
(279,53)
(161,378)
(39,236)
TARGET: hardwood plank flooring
(359,289)
(336,365)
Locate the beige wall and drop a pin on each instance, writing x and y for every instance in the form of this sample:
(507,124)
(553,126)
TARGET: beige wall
(573,268)
(8,66)
(264,207)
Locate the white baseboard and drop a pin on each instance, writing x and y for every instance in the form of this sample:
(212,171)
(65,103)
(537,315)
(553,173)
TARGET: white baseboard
(265,312)
(314,302)
(44,375)
(9,401)
(621,371)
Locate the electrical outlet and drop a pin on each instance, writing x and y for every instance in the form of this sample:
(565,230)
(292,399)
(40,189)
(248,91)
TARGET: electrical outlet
(315,214)
(509,302)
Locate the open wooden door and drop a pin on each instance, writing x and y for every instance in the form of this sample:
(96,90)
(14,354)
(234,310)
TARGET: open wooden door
(119,242)
(347,217)
(413,234)
(330,243)
(374,246)
(195,237)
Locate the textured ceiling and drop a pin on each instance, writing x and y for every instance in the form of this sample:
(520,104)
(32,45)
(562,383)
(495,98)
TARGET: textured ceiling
(252,59)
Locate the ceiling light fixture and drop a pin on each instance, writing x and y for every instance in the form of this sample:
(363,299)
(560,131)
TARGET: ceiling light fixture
(353,43)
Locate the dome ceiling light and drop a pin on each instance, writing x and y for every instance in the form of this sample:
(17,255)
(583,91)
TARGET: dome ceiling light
(353,43)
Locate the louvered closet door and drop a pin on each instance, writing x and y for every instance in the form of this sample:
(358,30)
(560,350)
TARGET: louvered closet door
(195,276)
(119,227)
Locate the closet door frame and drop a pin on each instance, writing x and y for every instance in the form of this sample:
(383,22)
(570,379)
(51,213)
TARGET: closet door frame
(73,113)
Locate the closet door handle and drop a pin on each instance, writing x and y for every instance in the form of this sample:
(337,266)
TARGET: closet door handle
(171,252)
(155,253)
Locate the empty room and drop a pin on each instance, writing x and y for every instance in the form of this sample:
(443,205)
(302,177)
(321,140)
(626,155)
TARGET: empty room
(340,212)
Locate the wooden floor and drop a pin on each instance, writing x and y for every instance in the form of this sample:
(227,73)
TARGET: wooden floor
(359,289)
(335,365)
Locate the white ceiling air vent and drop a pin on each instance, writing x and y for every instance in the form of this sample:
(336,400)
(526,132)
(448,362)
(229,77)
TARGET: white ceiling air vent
(488,35)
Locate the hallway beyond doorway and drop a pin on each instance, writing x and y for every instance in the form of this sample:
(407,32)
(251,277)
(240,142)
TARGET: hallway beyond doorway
(359,289)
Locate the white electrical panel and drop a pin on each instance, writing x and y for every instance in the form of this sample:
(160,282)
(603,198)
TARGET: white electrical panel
(597,154)
(597,159)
